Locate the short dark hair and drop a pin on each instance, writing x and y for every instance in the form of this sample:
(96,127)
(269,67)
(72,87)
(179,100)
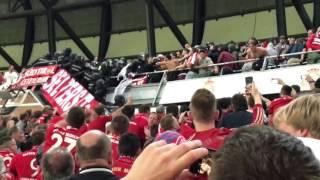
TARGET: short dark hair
(273,155)
(296,88)
(100,150)
(120,124)
(255,41)
(167,122)
(100,109)
(223,103)
(119,100)
(76,117)
(128,110)
(129,145)
(57,164)
(37,137)
(286,90)
(23,116)
(144,108)
(239,102)
(173,109)
(203,104)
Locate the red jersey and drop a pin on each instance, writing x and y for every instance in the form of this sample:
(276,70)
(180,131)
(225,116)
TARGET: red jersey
(25,166)
(141,122)
(99,123)
(114,145)
(212,139)
(122,166)
(276,104)
(7,157)
(62,137)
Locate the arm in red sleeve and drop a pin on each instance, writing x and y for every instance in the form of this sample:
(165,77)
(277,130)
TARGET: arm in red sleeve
(99,123)
(257,116)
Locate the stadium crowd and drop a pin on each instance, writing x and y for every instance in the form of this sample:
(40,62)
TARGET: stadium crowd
(204,140)
(190,62)
(207,139)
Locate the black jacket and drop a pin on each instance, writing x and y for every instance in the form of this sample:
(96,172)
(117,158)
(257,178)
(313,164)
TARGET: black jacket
(236,119)
(94,174)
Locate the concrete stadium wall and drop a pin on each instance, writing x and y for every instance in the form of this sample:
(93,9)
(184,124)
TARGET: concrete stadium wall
(236,28)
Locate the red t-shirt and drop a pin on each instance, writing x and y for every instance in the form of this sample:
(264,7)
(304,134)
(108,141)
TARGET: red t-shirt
(55,120)
(276,104)
(114,145)
(212,139)
(24,166)
(7,157)
(316,42)
(137,126)
(309,41)
(122,166)
(63,137)
(99,123)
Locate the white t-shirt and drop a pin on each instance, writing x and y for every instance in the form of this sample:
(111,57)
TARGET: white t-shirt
(313,144)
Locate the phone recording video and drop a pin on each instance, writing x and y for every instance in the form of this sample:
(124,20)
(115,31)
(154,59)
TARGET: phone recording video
(203,166)
(249,80)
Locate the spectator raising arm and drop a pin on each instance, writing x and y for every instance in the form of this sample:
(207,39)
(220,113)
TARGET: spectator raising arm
(258,112)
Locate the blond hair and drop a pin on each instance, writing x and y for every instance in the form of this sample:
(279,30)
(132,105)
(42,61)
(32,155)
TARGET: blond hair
(302,113)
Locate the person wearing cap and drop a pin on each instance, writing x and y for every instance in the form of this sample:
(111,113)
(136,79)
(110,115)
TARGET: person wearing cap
(204,61)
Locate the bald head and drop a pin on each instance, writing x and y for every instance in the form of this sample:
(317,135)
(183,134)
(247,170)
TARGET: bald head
(93,145)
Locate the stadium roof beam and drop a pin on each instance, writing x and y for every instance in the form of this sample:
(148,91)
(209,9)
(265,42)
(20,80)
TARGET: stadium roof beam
(105,30)
(66,27)
(316,13)
(199,14)
(170,22)
(51,31)
(28,36)
(281,18)
(73,6)
(302,14)
(9,59)
(151,39)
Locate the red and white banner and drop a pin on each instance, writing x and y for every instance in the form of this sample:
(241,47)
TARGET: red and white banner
(35,76)
(40,71)
(64,92)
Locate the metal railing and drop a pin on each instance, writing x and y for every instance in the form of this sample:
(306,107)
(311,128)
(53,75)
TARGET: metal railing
(264,67)
(266,59)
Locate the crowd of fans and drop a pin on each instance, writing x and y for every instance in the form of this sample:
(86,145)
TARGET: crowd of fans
(191,62)
(209,138)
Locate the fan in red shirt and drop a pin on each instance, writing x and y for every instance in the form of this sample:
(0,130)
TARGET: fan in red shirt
(202,108)
(140,122)
(129,149)
(58,136)
(47,114)
(285,98)
(8,148)
(99,119)
(25,165)
(119,126)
